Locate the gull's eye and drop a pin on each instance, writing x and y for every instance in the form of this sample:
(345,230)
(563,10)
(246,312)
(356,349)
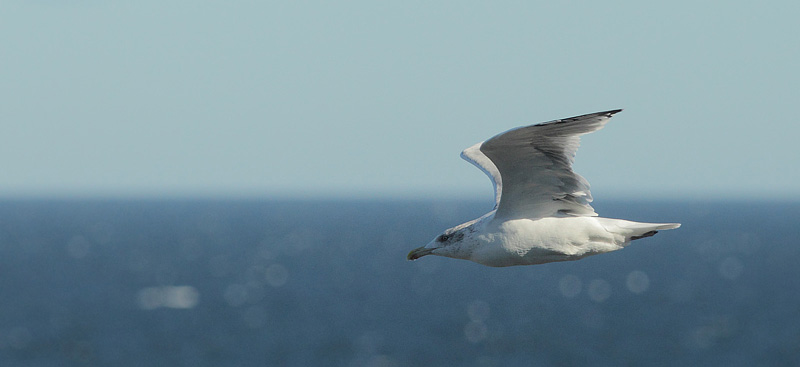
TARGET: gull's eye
(442,238)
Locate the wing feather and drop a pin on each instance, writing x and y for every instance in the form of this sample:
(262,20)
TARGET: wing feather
(531,168)
(474,155)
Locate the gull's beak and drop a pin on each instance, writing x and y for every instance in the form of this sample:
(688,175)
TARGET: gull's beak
(419,252)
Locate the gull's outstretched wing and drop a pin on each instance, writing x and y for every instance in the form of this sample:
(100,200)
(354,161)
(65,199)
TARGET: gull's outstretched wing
(531,168)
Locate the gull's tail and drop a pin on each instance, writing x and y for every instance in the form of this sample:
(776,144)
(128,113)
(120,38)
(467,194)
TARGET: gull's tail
(635,230)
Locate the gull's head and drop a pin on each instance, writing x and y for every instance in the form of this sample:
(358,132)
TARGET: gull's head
(447,244)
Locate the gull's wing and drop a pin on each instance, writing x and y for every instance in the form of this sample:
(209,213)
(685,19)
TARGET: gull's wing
(531,168)
(474,155)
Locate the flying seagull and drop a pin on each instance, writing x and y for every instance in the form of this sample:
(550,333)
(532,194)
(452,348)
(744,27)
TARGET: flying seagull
(542,212)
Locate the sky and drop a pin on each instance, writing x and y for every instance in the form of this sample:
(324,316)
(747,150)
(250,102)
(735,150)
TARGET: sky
(366,99)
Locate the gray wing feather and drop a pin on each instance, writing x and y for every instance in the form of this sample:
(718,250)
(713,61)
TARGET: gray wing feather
(531,168)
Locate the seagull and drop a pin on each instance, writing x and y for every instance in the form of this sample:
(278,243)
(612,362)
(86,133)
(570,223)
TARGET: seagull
(542,210)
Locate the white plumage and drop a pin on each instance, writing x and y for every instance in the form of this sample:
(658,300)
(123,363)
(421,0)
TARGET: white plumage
(542,208)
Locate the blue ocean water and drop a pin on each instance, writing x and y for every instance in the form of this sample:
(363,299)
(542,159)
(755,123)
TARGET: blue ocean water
(301,283)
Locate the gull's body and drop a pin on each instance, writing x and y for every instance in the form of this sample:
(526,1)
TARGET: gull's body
(542,212)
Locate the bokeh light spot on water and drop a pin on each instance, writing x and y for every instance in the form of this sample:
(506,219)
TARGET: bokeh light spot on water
(149,298)
(570,286)
(714,331)
(731,268)
(599,290)
(277,275)
(637,282)
(475,331)
(478,310)
(178,297)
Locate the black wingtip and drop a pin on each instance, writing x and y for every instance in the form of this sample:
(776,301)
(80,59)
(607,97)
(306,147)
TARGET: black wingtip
(596,114)
(606,114)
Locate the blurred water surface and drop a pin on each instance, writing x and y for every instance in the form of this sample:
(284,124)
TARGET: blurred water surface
(298,283)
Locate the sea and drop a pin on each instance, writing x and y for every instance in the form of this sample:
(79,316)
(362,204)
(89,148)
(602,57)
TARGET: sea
(326,283)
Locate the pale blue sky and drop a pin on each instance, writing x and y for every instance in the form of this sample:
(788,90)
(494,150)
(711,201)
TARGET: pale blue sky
(370,98)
